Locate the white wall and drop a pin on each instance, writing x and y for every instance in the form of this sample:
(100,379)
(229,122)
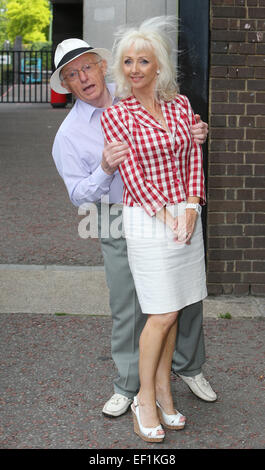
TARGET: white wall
(102,17)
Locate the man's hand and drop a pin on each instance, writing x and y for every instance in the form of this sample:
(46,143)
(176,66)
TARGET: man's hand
(199,131)
(113,155)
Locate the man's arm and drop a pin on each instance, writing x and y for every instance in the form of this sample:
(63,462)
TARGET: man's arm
(83,182)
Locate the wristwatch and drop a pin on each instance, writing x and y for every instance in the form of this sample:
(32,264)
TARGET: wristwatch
(197,207)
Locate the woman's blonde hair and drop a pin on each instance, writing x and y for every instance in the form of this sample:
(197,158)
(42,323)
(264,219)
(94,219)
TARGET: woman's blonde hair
(154,34)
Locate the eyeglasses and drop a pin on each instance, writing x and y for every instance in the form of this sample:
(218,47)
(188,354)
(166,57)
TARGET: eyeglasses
(74,74)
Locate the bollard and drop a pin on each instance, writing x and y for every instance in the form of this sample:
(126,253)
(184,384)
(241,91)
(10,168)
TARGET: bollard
(58,100)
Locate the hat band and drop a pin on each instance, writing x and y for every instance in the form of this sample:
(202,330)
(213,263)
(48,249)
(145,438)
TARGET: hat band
(72,54)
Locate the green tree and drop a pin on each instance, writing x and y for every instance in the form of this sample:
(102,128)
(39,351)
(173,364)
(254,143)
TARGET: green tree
(3,32)
(28,19)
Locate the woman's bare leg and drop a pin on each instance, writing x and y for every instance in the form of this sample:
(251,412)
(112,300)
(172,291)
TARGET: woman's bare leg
(153,344)
(163,382)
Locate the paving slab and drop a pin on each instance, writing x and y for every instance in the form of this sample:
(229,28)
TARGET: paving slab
(83,290)
(53,289)
(57,372)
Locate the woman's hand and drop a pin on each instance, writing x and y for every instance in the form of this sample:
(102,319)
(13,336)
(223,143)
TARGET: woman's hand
(113,155)
(199,131)
(184,226)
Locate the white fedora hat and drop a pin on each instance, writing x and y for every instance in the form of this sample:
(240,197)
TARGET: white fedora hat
(69,50)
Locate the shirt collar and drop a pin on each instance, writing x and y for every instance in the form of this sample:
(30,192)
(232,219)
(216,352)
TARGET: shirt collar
(142,114)
(89,109)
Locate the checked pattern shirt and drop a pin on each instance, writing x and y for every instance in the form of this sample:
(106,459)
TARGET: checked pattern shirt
(163,167)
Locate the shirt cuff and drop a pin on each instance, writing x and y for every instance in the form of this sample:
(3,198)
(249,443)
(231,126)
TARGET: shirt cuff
(101,177)
(152,209)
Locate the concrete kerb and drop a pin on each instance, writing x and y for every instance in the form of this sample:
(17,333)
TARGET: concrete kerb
(81,290)
(53,289)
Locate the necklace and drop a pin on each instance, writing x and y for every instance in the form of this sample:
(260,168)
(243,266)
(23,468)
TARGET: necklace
(159,117)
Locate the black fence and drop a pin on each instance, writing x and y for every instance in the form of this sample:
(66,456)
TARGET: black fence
(24,76)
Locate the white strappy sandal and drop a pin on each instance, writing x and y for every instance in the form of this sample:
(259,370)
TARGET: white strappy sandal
(147,434)
(171,421)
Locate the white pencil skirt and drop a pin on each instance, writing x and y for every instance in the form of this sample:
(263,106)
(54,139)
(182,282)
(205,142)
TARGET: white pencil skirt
(168,276)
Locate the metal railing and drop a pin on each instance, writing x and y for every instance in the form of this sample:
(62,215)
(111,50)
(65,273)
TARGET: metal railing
(24,76)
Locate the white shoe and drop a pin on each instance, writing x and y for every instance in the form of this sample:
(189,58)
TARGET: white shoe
(175,421)
(200,387)
(156,434)
(117,405)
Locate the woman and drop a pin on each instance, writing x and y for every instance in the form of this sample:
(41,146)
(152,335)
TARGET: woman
(163,191)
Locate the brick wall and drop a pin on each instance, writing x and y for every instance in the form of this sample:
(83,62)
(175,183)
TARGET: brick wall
(236,170)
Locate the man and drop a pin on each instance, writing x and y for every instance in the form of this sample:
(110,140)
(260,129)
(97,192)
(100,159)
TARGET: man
(90,172)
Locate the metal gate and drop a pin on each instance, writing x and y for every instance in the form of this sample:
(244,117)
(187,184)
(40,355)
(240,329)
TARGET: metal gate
(24,76)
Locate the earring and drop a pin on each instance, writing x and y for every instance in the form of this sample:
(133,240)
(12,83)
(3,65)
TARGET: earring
(158,72)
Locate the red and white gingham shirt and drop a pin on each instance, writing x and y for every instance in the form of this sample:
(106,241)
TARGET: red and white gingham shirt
(163,168)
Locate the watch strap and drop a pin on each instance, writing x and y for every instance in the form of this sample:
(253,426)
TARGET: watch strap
(195,206)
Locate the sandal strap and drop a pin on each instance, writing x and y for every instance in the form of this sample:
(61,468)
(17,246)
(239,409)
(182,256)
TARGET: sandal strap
(174,419)
(148,432)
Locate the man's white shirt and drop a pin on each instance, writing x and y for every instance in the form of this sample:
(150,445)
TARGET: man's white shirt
(77,153)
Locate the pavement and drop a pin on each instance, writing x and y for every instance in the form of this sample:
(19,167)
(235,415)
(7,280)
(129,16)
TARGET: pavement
(55,359)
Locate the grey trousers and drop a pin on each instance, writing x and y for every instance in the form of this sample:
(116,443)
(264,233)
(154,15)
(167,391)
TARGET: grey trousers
(128,321)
